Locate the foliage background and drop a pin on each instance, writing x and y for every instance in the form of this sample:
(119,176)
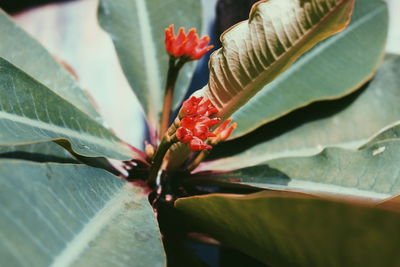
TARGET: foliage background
(71,36)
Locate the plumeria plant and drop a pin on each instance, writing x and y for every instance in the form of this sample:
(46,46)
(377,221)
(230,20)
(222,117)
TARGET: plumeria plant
(288,156)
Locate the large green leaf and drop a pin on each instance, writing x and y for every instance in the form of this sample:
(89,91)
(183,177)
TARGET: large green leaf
(30,112)
(137,30)
(27,54)
(256,51)
(64,214)
(285,230)
(375,107)
(331,69)
(372,173)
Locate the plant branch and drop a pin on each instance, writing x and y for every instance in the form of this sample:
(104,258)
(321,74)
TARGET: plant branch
(165,144)
(173,71)
(203,154)
(199,158)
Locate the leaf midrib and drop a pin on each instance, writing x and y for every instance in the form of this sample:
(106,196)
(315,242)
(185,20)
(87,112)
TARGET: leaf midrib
(316,51)
(57,129)
(285,55)
(92,229)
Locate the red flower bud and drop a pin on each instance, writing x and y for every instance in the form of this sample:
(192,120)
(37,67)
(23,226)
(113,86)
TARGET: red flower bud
(184,135)
(188,45)
(190,106)
(189,122)
(206,108)
(197,144)
(196,122)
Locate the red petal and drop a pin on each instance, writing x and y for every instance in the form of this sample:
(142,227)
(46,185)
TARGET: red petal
(213,121)
(169,38)
(204,41)
(196,144)
(203,107)
(227,132)
(211,111)
(199,52)
(189,107)
(188,122)
(222,126)
(181,35)
(184,135)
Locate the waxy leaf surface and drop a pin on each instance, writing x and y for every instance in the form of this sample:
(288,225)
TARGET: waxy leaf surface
(282,229)
(350,125)
(137,30)
(27,54)
(39,152)
(74,215)
(30,112)
(256,51)
(372,173)
(392,132)
(331,69)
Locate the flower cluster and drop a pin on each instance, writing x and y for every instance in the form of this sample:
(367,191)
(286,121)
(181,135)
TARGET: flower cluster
(196,122)
(182,45)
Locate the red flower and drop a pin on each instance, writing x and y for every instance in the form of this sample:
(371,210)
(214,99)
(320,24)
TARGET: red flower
(186,45)
(192,106)
(196,122)
(206,109)
(184,135)
(199,125)
(196,144)
(189,107)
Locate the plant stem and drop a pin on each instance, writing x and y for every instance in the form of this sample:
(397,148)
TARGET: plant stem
(162,149)
(202,155)
(199,158)
(173,70)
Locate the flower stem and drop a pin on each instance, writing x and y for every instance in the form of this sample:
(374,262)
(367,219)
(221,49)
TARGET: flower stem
(202,155)
(162,149)
(198,159)
(173,71)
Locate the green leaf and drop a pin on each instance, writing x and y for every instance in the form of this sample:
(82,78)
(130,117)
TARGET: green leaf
(30,112)
(39,152)
(62,215)
(285,230)
(256,51)
(333,68)
(372,173)
(137,30)
(53,152)
(27,54)
(374,107)
(392,132)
